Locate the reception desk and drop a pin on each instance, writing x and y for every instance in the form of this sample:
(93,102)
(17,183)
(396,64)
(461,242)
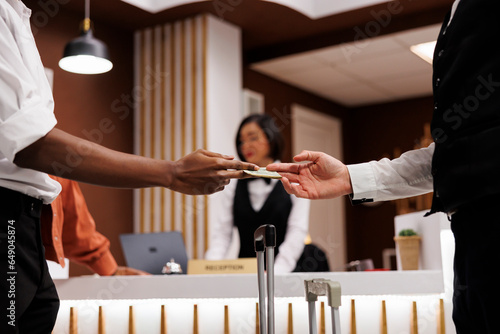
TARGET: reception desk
(212,293)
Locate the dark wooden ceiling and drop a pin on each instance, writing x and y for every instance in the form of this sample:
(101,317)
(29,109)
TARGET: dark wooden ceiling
(269,30)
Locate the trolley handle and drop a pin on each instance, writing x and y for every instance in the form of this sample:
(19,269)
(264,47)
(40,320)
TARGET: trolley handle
(264,236)
(323,287)
(264,242)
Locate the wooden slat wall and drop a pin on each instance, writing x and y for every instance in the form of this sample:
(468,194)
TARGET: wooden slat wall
(170,122)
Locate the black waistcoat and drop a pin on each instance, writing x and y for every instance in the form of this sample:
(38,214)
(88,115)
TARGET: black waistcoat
(466,119)
(275,211)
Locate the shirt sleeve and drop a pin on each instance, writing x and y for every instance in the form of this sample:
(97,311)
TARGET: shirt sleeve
(384,180)
(26,109)
(82,243)
(292,246)
(221,228)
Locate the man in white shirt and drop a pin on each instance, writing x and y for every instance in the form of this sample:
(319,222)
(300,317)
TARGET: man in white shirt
(31,146)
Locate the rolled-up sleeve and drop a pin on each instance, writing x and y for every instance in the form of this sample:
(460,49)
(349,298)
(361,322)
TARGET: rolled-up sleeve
(383,180)
(26,107)
(82,243)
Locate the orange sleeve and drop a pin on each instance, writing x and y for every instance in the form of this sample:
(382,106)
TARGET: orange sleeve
(81,241)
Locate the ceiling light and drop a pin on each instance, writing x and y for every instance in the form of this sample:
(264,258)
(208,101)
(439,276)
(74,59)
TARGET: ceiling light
(424,50)
(86,54)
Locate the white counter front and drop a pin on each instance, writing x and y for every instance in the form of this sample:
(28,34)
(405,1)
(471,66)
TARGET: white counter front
(245,285)
(211,293)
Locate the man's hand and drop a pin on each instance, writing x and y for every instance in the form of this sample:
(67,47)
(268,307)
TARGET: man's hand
(322,177)
(205,172)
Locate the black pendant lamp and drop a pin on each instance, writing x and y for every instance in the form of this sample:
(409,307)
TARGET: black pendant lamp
(86,54)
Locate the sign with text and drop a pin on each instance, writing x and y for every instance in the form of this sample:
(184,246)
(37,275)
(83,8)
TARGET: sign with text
(236,266)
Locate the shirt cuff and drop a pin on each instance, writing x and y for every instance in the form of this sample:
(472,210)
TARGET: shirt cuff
(363,183)
(105,265)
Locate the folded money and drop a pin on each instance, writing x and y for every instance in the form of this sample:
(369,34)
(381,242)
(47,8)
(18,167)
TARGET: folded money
(263,172)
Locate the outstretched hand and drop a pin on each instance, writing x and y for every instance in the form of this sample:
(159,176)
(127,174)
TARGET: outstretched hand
(205,172)
(321,177)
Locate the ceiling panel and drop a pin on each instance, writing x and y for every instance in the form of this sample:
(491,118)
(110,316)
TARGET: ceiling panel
(373,71)
(292,64)
(387,65)
(359,50)
(363,94)
(320,79)
(412,85)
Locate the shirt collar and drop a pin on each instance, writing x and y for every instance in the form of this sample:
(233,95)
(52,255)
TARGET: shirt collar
(20,8)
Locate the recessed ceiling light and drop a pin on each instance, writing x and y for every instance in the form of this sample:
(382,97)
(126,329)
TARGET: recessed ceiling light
(424,50)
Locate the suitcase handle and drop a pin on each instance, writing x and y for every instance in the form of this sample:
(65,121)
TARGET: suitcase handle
(323,287)
(264,236)
(265,241)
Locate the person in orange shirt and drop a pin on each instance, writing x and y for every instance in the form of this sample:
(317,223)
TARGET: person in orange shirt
(69,231)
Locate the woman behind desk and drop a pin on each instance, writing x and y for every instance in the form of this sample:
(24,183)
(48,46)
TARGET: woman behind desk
(249,203)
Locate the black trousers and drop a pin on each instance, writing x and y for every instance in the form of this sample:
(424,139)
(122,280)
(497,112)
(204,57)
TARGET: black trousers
(28,298)
(476,295)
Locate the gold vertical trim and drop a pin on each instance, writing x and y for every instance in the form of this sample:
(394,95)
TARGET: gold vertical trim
(172,117)
(226,319)
(204,92)
(383,319)
(290,319)
(73,320)
(194,128)
(322,322)
(131,320)
(353,317)
(163,110)
(183,120)
(152,112)
(441,327)
(195,319)
(414,319)
(163,320)
(257,320)
(142,111)
(101,323)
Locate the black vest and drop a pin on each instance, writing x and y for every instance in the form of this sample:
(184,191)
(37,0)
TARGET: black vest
(275,211)
(466,120)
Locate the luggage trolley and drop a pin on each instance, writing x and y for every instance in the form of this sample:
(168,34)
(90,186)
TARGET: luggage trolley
(265,240)
(323,287)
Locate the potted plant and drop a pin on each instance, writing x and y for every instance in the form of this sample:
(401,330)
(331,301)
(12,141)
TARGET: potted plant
(408,242)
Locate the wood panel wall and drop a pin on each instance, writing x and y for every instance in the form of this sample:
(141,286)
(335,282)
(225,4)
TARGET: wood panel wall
(170,122)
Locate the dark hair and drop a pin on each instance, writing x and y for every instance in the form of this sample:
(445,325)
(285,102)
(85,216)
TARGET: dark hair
(273,134)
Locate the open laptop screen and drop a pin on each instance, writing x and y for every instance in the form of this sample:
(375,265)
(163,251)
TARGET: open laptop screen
(151,251)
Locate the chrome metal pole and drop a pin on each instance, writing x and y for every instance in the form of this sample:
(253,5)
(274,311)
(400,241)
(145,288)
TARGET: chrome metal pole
(270,289)
(262,293)
(335,320)
(313,326)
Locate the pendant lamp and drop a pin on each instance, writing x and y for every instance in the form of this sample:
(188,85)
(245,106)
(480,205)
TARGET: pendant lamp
(86,54)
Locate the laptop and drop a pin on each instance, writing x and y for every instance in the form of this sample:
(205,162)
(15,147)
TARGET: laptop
(151,251)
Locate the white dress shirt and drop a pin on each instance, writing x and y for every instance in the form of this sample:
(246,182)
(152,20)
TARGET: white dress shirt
(384,180)
(221,230)
(26,102)
(407,176)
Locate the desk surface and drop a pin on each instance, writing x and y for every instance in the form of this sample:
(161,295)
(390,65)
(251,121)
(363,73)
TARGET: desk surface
(245,285)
